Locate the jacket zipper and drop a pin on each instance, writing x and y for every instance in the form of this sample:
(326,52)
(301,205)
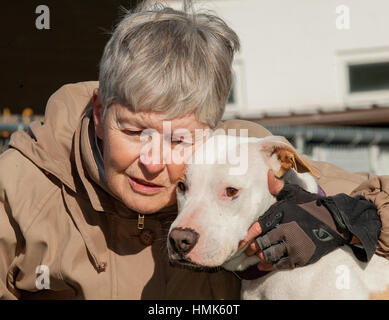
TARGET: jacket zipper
(141,221)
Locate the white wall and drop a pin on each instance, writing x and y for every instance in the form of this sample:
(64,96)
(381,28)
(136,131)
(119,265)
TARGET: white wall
(293,56)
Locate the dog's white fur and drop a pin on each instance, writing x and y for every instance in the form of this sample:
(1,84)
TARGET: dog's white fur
(222,223)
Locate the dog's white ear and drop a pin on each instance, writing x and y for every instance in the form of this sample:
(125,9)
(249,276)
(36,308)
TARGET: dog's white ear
(281,157)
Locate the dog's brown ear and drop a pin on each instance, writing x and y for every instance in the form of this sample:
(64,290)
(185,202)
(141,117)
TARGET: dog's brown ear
(281,157)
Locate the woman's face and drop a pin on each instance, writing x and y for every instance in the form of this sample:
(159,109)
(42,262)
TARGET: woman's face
(143,160)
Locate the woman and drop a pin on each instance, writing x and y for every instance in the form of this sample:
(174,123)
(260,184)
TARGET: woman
(82,216)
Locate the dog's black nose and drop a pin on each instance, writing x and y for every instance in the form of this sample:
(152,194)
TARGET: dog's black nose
(183,240)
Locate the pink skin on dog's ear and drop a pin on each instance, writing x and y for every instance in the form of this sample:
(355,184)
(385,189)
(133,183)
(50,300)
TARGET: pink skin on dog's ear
(275,185)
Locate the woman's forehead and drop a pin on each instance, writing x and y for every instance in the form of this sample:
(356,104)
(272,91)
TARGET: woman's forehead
(155,120)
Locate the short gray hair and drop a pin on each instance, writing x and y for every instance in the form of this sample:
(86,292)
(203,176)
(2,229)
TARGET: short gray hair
(165,60)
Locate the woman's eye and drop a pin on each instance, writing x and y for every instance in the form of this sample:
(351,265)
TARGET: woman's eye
(177,141)
(181,186)
(133,132)
(180,140)
(231,192)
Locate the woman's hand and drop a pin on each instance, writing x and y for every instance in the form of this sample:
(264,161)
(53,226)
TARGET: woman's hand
(297,230)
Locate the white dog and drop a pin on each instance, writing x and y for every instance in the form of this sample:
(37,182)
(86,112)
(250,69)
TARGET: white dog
(217,206)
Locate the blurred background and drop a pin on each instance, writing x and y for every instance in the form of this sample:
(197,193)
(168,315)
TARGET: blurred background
(314,71)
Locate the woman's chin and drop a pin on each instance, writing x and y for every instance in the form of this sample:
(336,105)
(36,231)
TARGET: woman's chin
(143,202)
(147,204)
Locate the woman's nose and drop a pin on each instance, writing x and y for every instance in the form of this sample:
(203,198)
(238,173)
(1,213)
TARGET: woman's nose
(153,156)
(153,169)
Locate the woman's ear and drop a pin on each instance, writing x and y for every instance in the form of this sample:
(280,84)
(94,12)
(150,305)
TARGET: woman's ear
(281,157)
(98,111)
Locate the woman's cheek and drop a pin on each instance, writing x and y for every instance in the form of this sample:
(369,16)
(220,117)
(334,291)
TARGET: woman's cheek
(175,172)
(122,152)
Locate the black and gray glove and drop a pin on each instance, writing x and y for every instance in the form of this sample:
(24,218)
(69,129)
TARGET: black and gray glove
(301,227)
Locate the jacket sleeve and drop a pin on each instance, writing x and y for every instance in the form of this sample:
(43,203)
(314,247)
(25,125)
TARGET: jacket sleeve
(376,190)
(8,249)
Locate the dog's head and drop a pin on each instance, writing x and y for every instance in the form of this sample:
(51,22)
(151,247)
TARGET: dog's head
(224,190)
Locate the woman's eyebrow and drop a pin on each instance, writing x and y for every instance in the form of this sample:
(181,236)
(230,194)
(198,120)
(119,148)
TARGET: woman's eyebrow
(123,119)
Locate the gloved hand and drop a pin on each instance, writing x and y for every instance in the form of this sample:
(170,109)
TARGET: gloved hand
(298,229)
(301,227)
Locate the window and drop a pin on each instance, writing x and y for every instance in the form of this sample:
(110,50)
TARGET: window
(236,101)
(368,77)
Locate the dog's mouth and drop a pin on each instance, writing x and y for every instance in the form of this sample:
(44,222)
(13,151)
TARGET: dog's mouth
(186,263)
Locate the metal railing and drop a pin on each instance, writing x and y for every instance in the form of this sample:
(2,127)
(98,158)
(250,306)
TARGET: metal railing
(309,140)
(11,123)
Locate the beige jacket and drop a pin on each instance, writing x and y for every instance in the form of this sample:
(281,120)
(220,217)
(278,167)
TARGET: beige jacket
(56,212)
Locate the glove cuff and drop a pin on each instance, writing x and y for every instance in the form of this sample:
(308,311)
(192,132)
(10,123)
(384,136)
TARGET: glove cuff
(356,216)
(337,216)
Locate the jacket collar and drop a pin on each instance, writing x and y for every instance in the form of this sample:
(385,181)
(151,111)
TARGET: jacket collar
(87,162)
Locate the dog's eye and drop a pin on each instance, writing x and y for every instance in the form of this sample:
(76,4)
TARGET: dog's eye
(181,186)
(231,192)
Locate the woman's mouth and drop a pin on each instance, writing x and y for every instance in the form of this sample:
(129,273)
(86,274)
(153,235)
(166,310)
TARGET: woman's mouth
(144,187)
